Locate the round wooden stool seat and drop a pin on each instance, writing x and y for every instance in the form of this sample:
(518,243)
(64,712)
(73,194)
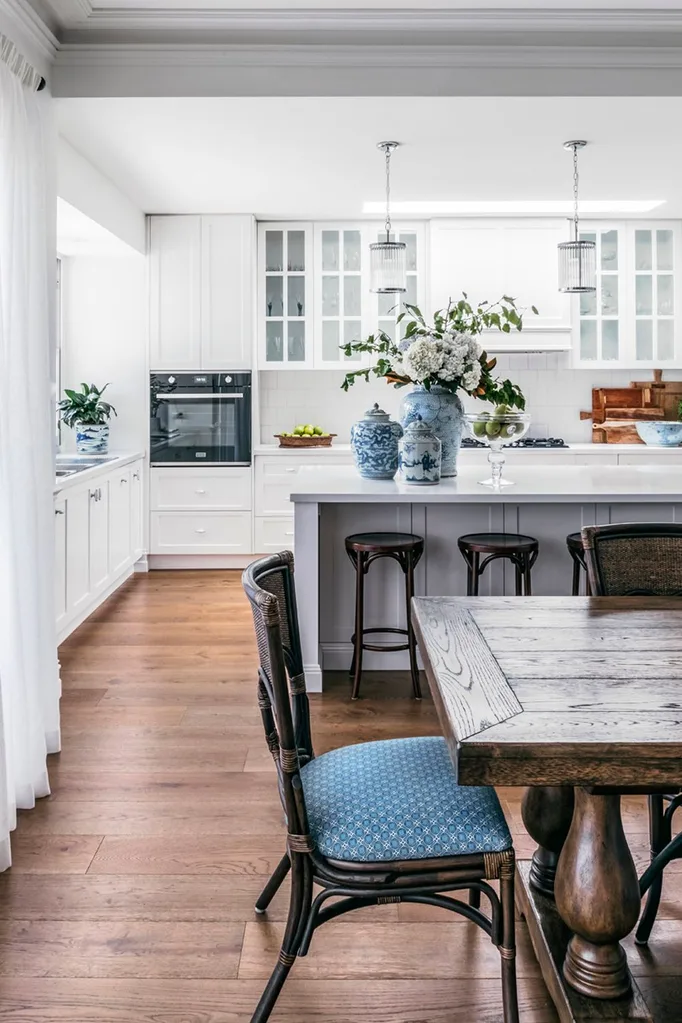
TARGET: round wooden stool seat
(574,542)
(363,549)
(521,550)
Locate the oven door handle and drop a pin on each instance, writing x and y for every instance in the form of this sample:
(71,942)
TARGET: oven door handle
(198,397)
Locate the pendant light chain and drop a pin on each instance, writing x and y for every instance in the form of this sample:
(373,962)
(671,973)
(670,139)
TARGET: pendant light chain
(387,224)
(576,181)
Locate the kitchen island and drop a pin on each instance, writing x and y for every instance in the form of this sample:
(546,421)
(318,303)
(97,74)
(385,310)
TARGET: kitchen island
(547,502)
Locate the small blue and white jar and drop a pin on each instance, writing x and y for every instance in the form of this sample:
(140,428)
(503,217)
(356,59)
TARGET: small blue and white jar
(92,440)
(374,443)
(420,455)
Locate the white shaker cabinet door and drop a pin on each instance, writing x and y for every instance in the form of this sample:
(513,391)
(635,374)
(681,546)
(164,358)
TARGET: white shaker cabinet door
(119,521)
(136,511)
(61,614)
(227,292)
(77,549)
(98,533)
(175,293)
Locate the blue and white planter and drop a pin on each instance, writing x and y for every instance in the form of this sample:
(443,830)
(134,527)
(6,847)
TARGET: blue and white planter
(443,412)
(92,440)
(420,455)
(374,443)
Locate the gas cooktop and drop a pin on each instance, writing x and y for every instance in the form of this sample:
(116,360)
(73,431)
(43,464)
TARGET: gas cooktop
(525,442)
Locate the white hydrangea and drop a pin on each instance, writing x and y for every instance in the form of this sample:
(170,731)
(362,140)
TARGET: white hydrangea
(424,358)
(472,377)
(454,358)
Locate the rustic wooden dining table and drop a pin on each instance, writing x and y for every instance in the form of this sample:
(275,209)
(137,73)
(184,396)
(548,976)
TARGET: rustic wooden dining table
(579,699)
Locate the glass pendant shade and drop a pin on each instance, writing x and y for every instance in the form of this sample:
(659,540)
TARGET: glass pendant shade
(388,268)
(577,267)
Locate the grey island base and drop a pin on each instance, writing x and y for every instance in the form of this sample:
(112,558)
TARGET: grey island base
(546,502)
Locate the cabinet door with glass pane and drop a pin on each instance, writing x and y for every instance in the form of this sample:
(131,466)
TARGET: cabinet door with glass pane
(285,296)
(385,309)
(654,298)
(342,296)
(600,314)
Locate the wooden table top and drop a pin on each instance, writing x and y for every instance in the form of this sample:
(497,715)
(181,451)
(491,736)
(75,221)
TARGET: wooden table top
(557,690)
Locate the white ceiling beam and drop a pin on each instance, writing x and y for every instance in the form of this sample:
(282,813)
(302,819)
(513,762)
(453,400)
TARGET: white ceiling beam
(69,13)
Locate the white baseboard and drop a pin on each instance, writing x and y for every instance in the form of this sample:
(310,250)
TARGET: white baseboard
(337,657)
(141,565)
(208,561)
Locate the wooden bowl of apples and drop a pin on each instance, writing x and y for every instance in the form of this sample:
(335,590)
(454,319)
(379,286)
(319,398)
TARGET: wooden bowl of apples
(307,436)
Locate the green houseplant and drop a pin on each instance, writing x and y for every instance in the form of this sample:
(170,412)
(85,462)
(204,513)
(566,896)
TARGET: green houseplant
(85,412)
(440,359)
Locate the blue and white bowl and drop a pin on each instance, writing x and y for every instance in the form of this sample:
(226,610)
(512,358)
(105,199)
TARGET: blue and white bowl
(660,434)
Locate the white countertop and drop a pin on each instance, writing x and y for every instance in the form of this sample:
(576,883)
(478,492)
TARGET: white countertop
(114,460)
(583,449)
(604,484)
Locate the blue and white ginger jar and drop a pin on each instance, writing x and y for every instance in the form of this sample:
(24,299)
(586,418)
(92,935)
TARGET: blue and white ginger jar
(420,455)
(444,413)
(374,443)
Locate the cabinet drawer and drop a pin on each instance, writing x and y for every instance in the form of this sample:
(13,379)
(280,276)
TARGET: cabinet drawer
(201,533)
(274,534)
(183,489)
(276,480)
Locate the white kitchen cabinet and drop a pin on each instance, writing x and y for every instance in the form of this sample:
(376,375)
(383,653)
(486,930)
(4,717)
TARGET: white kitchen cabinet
(632,320)
(285,296)
(648,457)
(186,489)
(98,536)
(201,292)
(120,516)
(175,293)
(227,292)
(137,510)
(61,607)
(274,534)
(491,258)
(77,506)
(190,532)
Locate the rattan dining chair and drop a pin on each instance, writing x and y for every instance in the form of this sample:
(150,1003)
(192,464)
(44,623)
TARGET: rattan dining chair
(642,559)
(373,823)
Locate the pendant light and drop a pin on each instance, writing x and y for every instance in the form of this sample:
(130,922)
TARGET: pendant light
(577,258)
(388,259)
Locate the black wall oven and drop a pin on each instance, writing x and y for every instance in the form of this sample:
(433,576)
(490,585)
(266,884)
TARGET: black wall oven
(200,418)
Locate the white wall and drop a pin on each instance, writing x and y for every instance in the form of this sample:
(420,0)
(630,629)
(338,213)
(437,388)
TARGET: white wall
(83,186)
(104,338)
(555,395)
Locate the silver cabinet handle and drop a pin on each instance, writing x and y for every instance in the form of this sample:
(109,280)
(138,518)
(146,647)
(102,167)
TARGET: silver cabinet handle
(199,491)
(292,470)
(136,475)
(93,495)
(124,479)
(59,511)
(199,530)
(289,534)
(99,493)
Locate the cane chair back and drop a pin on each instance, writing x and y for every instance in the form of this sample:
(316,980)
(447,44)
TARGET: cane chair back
(634,559)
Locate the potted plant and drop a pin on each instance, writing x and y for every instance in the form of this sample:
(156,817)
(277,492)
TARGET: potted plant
(441,358)
(85,411)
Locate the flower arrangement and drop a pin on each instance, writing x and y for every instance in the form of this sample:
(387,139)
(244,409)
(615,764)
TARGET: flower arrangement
(445,353)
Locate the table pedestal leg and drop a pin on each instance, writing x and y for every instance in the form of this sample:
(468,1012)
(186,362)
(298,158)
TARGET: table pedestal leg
(547,813)
(597,896)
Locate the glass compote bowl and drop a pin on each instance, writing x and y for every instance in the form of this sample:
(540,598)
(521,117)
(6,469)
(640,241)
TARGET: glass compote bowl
(495,430)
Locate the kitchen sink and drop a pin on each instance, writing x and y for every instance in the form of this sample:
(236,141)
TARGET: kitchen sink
(70,465)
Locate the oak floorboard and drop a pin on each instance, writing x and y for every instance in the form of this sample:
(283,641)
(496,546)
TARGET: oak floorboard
(159,699)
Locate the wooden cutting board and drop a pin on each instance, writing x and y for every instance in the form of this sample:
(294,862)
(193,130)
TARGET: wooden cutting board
(665,394)
(616,409)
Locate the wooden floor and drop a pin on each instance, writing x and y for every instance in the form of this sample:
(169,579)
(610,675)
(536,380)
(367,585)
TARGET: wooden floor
(130,899)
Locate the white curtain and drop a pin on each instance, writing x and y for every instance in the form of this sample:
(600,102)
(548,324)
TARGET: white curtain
(29,676)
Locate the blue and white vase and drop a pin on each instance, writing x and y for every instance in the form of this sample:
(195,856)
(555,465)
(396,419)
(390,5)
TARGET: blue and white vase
(441,410)
(92,440)
(374,443)
(420,455)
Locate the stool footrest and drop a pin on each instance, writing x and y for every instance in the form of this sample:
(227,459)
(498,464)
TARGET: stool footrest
(384,647)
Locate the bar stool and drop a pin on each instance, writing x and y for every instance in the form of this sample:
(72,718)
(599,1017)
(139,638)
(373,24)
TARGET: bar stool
(521,550)
(363,549)
(574,542)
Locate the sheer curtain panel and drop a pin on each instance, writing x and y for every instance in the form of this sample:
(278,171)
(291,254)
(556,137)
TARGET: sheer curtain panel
(29,677)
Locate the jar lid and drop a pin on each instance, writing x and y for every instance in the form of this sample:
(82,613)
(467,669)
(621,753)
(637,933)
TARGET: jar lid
(418,428)
(376,414)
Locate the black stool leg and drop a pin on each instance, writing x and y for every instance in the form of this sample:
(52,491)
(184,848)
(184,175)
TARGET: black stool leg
(519,567)
(358,638)
(475,574)
(411,641)
(527,565)
(575,589)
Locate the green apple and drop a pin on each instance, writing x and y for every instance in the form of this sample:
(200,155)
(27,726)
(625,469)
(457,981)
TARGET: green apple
(479,429)
(317,430)
(502,410)
(492,428)
(299,431)
(309,431)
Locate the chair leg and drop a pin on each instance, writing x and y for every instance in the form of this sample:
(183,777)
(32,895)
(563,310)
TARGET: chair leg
(359,623)
(519,577)
(475,573)
(273,885)
(660,834)
(575,588)
(510,1003)
(299,907)
(411,641)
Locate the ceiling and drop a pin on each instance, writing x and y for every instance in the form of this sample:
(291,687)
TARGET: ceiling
(315,158)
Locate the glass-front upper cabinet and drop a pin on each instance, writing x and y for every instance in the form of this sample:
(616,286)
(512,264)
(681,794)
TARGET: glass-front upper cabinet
(341,288)
(632,321)
(285,296)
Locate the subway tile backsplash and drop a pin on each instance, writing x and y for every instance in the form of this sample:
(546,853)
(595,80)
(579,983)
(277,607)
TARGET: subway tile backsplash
(555,395)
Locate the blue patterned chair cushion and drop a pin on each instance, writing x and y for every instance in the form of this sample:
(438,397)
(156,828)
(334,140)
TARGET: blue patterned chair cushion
(398,800)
